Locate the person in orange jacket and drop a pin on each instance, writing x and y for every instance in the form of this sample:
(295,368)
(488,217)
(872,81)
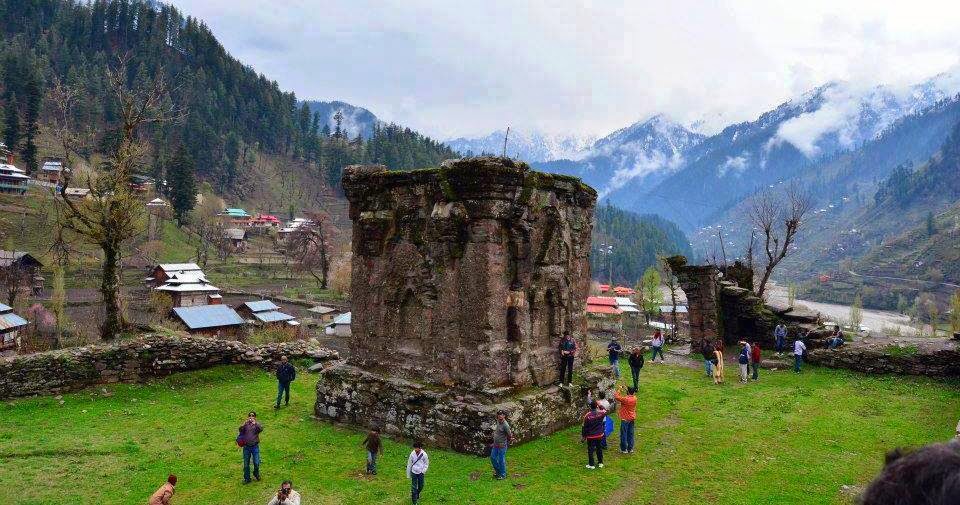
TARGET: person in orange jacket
(627,408)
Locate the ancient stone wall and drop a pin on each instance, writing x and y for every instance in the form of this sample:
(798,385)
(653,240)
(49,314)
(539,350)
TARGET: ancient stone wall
(469,274)
(136,360)
(939,362)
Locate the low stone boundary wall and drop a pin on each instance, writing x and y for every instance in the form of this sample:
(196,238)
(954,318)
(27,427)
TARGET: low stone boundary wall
(137,360)
(931,363)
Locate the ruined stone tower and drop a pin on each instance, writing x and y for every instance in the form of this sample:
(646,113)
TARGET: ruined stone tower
(464,279)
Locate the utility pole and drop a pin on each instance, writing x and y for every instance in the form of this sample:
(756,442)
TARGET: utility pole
(507,135)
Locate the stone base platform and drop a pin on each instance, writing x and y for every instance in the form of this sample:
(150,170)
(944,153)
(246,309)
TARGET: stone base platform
(449,418)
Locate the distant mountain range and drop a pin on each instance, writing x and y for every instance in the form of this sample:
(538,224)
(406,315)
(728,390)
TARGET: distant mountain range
(527,146)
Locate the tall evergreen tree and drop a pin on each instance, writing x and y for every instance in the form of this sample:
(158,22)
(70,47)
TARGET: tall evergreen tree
(11,127)
(31,117)
(182,181)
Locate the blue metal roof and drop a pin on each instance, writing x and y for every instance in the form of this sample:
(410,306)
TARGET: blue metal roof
(208,316)
(342,319)
(8,321)
(272,316)
(5,308)
(261,306)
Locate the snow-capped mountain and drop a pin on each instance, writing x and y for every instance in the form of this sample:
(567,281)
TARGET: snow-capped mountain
(527,146)
(354,119)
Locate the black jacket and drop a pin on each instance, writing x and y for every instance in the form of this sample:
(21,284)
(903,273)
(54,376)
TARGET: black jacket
(635,360)
(286,373)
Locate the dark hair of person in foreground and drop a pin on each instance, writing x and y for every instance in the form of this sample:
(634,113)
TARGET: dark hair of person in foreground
(927,476)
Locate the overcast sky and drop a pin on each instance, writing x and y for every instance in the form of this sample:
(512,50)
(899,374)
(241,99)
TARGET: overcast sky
(451,68)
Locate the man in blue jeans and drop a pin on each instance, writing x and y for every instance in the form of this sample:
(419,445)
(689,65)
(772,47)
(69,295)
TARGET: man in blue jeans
(798,349)
(657,345)
(614,349)
(286,374)
(780,336)
(502,438)
(417,464)
(249,436)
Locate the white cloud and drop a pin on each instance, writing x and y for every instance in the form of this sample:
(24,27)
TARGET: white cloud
(466,68)
(736,165)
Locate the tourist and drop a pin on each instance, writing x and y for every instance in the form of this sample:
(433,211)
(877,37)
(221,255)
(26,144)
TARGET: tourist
(927,476)
(502,438)
(592,434)
(614,349)
(604,404)
(568,351)
(627,408)
(249,439)
(744,360)
(286,374)
(417,465)
(374,448)
(718,363)
(636,363)
(799,348)
(836,340)
(286,495)
(780,335)
(164,495)
(707,351)
(657,345)
(755,360)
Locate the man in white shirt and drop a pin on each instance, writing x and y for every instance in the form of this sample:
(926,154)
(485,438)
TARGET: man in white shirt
(798,349)
(286,495)
(417,465)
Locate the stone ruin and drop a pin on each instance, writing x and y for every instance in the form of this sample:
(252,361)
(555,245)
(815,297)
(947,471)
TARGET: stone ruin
(719,306)
(464,280)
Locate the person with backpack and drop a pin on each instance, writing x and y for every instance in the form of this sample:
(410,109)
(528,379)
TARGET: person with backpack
(502,438)
(592,434)
(374,448)
(708,356)
(604,405)
(417,464)
(249,439)
(799,349)
(635,360)
(568,351)
(780,337)
(627,408)
(755,360)
(657,345)
(614,349)
(743,360)
(286,374)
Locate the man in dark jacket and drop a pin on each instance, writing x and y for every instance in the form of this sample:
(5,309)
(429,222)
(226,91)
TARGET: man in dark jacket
(613,350)
(285,375)
(592,433)
(250,437)
(568,351)
(636,363)
(708,356)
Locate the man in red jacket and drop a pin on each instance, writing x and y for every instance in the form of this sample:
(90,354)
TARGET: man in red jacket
(755,359)
(592,433)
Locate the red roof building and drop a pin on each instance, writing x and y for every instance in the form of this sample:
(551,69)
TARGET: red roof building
(265,220)
(604,288)
(602,305)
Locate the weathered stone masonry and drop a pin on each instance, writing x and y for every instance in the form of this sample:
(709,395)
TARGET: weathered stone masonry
(464,279)
(136,360)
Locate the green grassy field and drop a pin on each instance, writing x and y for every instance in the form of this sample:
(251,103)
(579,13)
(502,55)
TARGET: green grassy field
(786,439)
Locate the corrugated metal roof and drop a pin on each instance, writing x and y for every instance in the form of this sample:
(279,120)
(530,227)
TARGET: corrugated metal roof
(272,316)
(603,309)
(322,309)
(342,319)
(173,267)
(681,309)
(234,234)
(5,308)
(623,301)
(602,300)
(8,321)
(188,286)
(208,316)
(261,306)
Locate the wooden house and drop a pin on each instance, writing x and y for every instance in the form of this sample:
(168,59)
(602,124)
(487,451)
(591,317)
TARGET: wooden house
(324,314)
(189,289)
(266,313)
(53,171)
(210,320)
(13,180)
(10,327)
(237,238)
(160,273)
(340,327)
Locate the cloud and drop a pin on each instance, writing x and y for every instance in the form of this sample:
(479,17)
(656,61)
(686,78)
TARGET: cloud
(644,165)
(467,68)
(736,165)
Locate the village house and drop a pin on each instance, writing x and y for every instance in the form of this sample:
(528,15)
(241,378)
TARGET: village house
(188,289)
(28,267)
(13,180)
(603,314)
(323,314)
(236,217)
(157,203)
(237,238)
(141,183)
(53,171)
(77,193)
(210,320)
(340,327)
(630,317)
(10,326)
(265,221)
(292,226)
(160,273)
(266,313)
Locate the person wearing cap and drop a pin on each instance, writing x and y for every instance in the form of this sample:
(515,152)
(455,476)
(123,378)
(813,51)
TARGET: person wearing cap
(249,437)
(502,438)
(164,495)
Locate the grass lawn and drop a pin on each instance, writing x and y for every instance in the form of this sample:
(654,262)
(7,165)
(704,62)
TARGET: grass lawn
(786,439)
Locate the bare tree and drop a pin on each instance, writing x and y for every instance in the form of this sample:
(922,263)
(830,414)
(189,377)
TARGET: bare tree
(14,280)
(779,220)
(310,248)
(112,215)
(673,285)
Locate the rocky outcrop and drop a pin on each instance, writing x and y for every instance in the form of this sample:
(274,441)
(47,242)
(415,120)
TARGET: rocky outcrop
(907,360)
(442,417)
(467,275)
(136,360)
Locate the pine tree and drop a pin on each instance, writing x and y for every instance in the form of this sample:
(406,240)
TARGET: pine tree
(11,130)
(182,181)
(30,119)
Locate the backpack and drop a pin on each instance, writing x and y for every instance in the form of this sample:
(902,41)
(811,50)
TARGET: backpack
(607,426)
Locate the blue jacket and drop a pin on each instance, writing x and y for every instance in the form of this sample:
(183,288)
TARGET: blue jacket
(744,358)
